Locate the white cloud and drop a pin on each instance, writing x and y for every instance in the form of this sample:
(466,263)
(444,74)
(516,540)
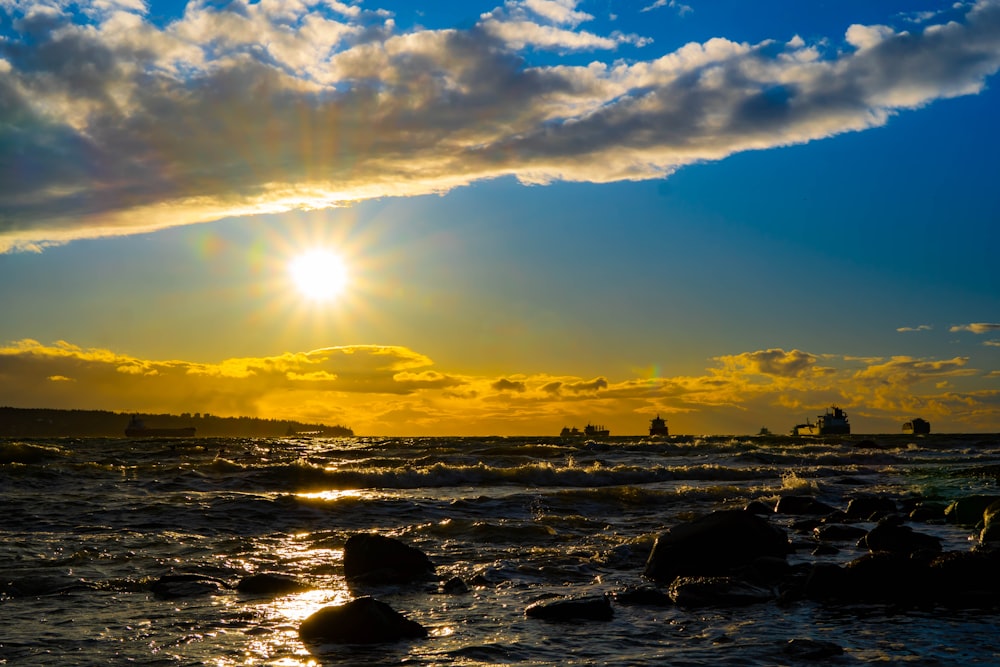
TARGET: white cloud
(110,124)
(921,327)
(977,327)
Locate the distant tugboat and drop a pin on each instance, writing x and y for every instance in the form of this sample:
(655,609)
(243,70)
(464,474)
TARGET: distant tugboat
(137,429)
(834,422)
(917,426)
(658,426)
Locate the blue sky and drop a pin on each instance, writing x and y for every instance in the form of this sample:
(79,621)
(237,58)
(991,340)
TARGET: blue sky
(731,214)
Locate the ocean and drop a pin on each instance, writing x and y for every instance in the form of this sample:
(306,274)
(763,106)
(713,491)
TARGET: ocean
(88,525)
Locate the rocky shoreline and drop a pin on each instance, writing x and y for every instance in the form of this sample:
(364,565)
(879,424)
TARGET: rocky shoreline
(759,554)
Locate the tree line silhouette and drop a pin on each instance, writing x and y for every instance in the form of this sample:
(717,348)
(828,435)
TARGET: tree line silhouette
(48,422)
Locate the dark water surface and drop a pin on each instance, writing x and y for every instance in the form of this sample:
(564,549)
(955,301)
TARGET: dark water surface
(86,525)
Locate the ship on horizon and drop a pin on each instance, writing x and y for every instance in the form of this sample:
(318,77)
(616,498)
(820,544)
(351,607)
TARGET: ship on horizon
(589,431)
(658,426)
(834,422)
(917,426)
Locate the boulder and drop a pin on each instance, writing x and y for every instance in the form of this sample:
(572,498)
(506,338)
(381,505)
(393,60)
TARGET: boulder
(870,508)
(596,608)
(967,578)
(891,535)
(375,559)
(363,620)
(968,511)
(714,545)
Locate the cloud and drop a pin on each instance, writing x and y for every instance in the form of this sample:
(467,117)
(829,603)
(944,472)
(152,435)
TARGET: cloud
(921,327)
(977,327)
(774,362)
(503,384)
(991,343)
(395,390)
(681,8)
(111,124)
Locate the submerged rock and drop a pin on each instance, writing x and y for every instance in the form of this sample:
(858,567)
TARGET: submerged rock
(361,621)
(596,608)
(811,649)
(186,585)
(717,592)
(269,584)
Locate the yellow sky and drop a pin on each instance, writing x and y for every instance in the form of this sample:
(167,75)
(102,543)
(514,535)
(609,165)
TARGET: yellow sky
(380,390)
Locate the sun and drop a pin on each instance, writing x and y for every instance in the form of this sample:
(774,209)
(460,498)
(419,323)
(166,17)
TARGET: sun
(319,275)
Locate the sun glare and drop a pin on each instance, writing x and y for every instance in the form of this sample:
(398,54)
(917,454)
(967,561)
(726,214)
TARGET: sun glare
(319,275)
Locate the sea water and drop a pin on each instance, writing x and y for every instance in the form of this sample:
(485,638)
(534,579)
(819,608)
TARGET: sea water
(86,526)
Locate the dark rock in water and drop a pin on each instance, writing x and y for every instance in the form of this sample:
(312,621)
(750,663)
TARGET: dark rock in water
(269,584)
(891,535)
(967,579)
(811,649)
(801,505)
(589,608)
(969,511)
(758,507)
(647,596)
(455,586)
(839,533)
(186,585)
(717,592)
(870,508)
(375,559)
(990,534)
(926,512)
(714,545)
(885,576)
(361,621)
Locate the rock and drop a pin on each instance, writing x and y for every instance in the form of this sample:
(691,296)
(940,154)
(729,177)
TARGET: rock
(716,592)
(884,576)
(572,609)
(269,584)
(927,512)
(801,505)
(186,585)
(714,545)
(375,559)
(967,579)
(891,535)
(758,507)
(969,511)
(870,508)
(364,620)
(455,586)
